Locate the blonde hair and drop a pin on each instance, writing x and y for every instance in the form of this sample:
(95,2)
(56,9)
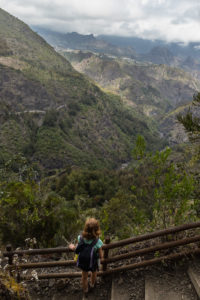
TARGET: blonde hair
(91,229)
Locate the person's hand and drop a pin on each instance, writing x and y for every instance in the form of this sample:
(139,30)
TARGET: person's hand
(72,247)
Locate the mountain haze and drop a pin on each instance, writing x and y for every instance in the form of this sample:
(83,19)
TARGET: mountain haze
(132,47)
(186,57)
(78,41)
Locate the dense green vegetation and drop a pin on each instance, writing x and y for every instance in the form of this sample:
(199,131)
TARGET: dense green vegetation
(153,192)
(57,139)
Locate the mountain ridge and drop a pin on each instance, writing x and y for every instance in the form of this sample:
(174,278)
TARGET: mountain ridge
(157,52)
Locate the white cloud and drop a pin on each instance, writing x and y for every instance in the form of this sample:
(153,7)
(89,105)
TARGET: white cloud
(171,20)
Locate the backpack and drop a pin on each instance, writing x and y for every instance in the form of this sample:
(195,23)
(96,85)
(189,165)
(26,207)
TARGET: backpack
(87,257)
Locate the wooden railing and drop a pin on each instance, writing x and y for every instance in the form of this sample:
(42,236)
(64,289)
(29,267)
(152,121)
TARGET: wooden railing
(111,259)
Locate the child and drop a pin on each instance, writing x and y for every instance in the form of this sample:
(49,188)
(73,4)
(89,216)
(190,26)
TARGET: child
(86,242)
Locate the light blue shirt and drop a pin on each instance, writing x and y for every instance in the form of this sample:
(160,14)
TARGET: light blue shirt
(98,245)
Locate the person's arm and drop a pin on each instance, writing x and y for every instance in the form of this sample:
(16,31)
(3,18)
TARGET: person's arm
(101,253)
(72,247)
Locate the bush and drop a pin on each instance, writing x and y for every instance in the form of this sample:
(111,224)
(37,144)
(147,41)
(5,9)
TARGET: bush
(119,218)
(24,215)
(50,118)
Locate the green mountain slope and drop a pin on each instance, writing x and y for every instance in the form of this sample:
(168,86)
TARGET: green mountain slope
(144,84)
(53,114)
(152,90)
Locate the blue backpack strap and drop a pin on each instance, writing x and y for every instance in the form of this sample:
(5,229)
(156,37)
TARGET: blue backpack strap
(92,251)
(80,242)
(81,239)
(94,242)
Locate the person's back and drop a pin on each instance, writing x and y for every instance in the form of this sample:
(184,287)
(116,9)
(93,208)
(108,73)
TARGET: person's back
(89,249)
(87,253)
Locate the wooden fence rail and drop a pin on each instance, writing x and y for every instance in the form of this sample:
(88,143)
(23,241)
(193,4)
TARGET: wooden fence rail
(155,234)
(142,264)
(106,259)
(158,247)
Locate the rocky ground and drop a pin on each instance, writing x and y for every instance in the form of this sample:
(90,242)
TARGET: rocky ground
(130,285)
(171,284)
(67,289)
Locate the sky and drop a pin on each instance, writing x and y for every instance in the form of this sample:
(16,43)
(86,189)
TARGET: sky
(168,20)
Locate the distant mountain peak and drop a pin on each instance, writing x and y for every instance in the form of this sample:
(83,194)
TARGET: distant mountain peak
(191,63)
(161,50)
(76,41)
(160,55)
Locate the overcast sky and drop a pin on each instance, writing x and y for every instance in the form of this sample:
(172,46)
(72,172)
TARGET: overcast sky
(170,20)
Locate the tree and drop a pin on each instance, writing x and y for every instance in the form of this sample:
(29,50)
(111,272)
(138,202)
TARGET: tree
(57,220)
(191,122)
(24,214)
(120,218)
(173,202)
(163,190)
(140,148)
(19,212)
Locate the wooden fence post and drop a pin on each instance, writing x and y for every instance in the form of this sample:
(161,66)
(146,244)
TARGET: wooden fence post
(18,269)
(10,256)
(105,254)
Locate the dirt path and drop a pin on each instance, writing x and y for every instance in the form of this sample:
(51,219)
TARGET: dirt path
(171,285)
(68,290)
